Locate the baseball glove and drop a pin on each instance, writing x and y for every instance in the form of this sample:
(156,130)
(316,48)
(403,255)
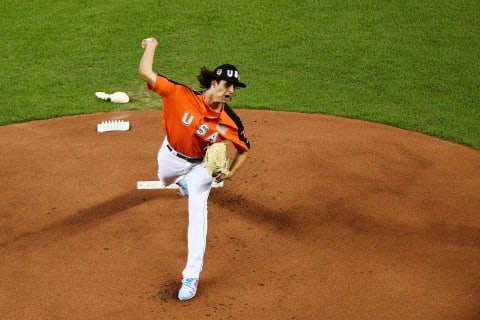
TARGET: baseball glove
(216,160)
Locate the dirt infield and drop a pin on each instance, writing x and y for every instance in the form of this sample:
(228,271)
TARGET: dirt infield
(330,218)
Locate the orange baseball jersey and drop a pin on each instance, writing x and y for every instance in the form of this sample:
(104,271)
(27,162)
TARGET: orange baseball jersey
(191,125)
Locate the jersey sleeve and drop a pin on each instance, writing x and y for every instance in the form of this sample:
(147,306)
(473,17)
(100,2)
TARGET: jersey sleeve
(238,137)
(163,86)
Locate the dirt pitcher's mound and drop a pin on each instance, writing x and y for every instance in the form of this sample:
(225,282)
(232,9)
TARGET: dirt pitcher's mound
(329,219)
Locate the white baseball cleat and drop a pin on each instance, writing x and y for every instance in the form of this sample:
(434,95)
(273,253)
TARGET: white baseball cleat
(188,289)
(116,97)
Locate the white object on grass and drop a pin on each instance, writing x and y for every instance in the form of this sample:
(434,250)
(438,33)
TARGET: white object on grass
(116,97)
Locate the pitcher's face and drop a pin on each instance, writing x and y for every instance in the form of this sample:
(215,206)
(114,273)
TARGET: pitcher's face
(223,91)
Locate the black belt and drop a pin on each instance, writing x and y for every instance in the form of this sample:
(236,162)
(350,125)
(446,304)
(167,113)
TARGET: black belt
(184,157)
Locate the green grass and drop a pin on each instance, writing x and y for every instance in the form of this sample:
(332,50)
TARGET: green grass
(410,64)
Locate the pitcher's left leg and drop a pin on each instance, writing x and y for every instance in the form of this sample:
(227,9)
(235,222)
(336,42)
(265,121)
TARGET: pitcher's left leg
(199,185)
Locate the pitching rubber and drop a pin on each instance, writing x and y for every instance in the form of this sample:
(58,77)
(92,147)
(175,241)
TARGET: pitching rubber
(142,185)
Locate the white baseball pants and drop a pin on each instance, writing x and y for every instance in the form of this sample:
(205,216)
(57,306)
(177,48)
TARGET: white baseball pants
(171,169)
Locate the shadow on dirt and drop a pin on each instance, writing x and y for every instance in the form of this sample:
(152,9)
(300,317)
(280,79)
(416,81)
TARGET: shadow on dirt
(87,217)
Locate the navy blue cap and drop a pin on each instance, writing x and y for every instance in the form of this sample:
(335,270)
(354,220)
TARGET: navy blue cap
(229,73)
